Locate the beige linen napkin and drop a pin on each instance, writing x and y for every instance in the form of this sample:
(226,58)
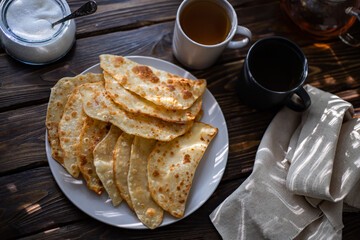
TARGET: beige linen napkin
(306,167)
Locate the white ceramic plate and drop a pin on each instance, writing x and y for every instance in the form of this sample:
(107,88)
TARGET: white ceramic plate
(207,177)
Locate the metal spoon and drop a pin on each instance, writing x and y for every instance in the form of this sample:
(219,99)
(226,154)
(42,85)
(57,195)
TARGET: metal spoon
(86,9)
(353,11)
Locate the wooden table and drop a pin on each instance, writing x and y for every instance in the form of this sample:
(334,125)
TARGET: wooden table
(31,204)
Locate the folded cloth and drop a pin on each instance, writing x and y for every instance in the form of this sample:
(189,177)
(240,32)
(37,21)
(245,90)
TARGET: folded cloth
(306,167)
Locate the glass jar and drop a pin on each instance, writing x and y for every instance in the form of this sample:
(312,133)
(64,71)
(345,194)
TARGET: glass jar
(324,19)
(41,49)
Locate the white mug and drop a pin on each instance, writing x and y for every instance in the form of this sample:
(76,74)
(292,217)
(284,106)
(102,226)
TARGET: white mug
(199,56)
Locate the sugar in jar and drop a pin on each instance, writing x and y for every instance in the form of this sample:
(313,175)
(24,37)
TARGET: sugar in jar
(27,33)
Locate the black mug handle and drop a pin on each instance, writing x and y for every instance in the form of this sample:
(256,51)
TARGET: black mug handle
(305,99)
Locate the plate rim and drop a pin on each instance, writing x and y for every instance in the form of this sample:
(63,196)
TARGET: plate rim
(52,161)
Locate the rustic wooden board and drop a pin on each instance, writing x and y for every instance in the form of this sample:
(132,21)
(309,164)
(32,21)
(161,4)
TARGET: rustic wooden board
(22,139)
(123,15)
(89,229)
(351,223)
(31,201)
(31,204)
(33,207)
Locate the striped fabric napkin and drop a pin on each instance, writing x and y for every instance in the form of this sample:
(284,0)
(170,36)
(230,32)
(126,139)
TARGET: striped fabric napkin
(306,172)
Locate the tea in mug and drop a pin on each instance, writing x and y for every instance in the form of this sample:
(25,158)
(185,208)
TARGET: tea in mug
(205,22)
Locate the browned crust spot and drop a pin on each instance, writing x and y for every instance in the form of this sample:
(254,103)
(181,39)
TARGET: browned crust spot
(123,80)
(118,61)
(169,75)
(186,158)
(200,81)
(83,160)
(170,87)
(186,94)
(175,214)
(145,73)
(156,173)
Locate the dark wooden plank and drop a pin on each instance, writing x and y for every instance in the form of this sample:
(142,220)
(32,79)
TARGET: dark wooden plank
(36,209)
(195,226)
(351,225)
(90,229)
(31,201)
(124,15)
(22,137)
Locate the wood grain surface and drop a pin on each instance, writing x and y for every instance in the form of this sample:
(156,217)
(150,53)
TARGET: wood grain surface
(31,204)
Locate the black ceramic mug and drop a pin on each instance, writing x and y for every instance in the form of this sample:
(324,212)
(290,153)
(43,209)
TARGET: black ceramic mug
(272,76)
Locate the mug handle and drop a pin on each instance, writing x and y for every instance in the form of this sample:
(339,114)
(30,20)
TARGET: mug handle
(242,43)
(305,99)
